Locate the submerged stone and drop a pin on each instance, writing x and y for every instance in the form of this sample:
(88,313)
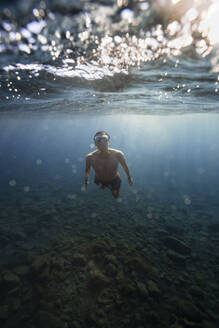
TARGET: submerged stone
(177,245)
(22,270)
(41,267)
(11,279)
(189,310)
(4,313)
(79,260)
(213,228)
(153,288)
(142,289)
(176,258)
(45,319)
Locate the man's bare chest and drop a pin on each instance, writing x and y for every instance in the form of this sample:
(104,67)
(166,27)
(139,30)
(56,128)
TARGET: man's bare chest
(105,161)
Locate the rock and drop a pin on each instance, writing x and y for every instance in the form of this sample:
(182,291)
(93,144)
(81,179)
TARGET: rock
(45,319)
(142,289)
(4,240)
(189,311)
(110,258)
(138,265)
(97,281)
(41,267)
(40,263)
(196,226)
(162,233)
(213,228)
(141,228)
(190,324)
(174,229)
(22,270)
(111,269)
(196,292)
(11,279)
(4,313)
(176,258)
(153,318)
(153,288)
(106,297)
(79,260)
(127,288)
(16,304)
(177,245)
(19,235)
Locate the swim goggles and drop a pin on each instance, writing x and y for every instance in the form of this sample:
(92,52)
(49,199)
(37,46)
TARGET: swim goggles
(101,139)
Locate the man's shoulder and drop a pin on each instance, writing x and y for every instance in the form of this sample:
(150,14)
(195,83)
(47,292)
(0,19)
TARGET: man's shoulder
(116,152)
(90,155)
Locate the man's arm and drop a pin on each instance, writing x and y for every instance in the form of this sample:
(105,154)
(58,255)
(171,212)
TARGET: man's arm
(122,161)
(87,170)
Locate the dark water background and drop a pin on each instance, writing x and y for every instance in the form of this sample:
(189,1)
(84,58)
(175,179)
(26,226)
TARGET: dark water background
(147,73)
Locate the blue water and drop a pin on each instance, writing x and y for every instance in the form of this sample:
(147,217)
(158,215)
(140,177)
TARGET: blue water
(173,161)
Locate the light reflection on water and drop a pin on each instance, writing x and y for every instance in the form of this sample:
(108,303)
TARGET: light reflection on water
(102,50)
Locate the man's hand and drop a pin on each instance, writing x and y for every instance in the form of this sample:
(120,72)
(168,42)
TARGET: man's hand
(130,181)
(86,183)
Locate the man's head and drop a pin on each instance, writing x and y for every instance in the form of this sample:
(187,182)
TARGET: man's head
(101,140)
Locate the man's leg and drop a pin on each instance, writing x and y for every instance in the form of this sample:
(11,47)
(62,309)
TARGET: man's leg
(99,183)
(115,186)
(115,193)
(102,186)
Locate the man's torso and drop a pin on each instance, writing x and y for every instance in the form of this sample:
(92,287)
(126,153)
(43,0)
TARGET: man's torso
(105,167)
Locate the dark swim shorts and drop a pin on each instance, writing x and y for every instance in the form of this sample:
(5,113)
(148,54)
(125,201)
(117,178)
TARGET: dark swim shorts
(112,185)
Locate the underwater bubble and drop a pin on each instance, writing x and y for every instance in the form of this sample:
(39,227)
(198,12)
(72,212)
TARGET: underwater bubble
(72,196)
(127,14)
(12,183)
(92,145)
(24,48)
(38,161)
(83,188)
(117,39)
(7,26)
(187,201)
(36,13)
(200,170)
(25,33)
(36,27)
(144,5)
(42,39)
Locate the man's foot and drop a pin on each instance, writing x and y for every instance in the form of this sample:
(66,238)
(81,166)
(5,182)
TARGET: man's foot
(115,193)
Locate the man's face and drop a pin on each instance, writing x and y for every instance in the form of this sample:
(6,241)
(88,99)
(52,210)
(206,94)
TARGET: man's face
(102,142)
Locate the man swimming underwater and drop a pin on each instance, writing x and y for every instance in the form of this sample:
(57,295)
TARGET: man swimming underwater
(105,162)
